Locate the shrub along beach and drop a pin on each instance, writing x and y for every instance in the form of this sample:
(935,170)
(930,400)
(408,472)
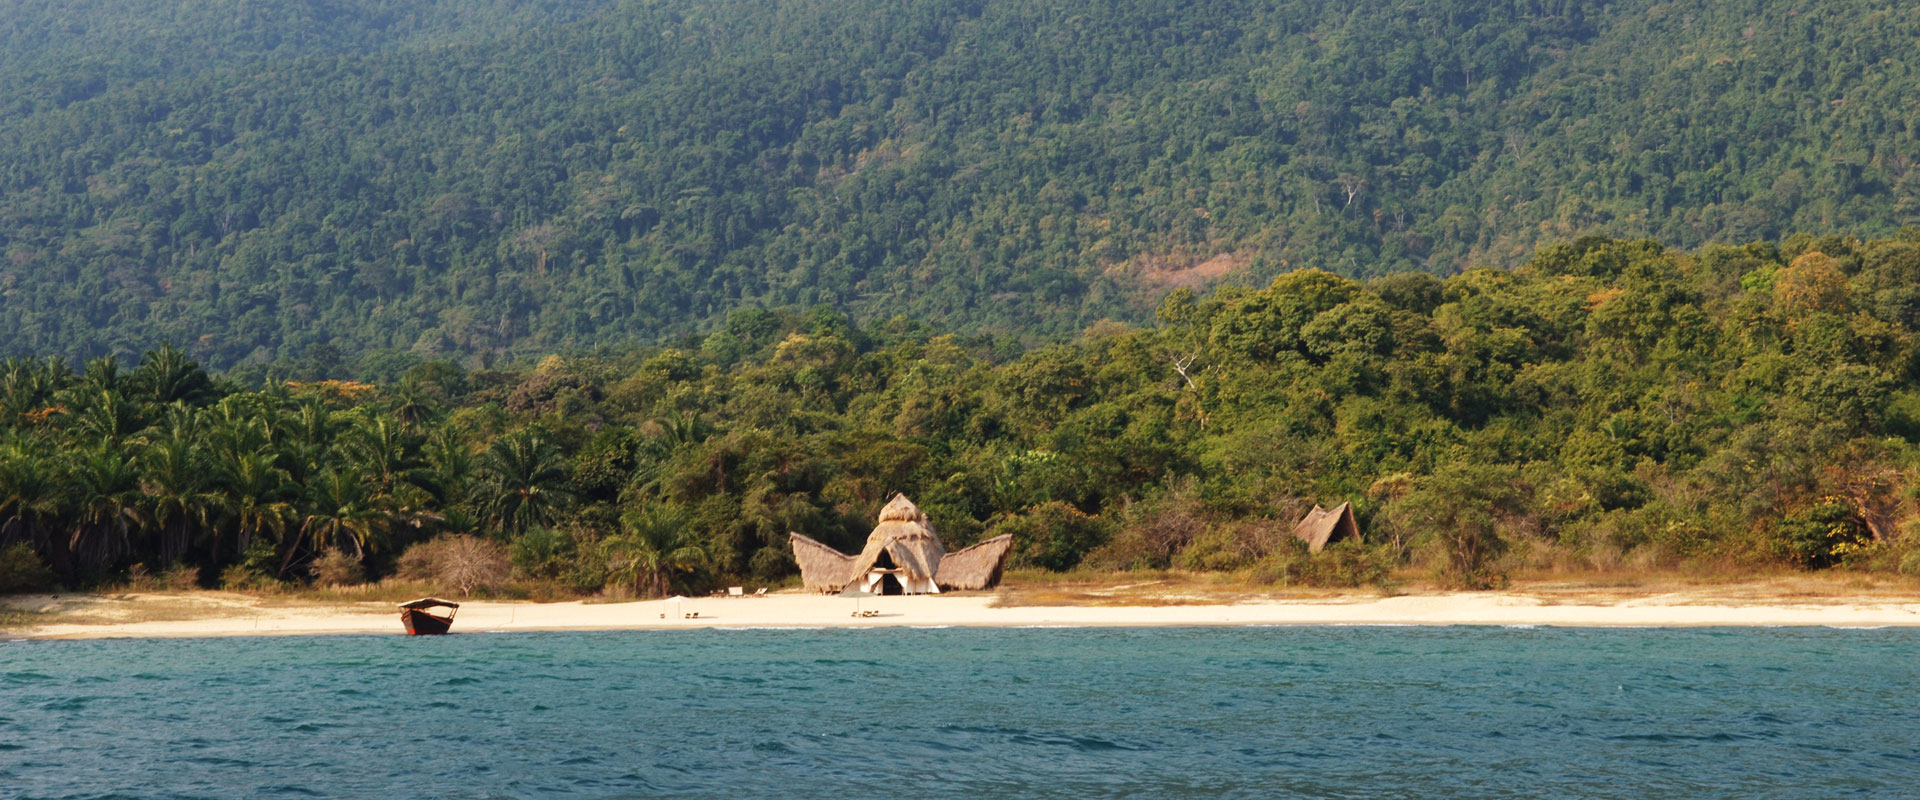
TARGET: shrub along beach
(1610,408)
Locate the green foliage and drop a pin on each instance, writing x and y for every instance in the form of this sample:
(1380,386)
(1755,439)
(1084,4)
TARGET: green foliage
(1898,557)
(21,570)
(1458,508)
(542,553)
(1823,534)
(1051,535)
(1231,546)
(309,191)
(1614,403)
(1151,532)
(654,552)
(1344,564)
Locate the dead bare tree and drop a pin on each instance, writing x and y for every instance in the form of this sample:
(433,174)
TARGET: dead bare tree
(1351,185)
(1517,144)
(1181,363)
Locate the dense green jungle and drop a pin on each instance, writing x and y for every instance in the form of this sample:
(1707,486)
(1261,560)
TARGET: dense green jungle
(1609,404)
(264,182)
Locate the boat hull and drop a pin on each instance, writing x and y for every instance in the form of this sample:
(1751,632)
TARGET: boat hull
(421,623)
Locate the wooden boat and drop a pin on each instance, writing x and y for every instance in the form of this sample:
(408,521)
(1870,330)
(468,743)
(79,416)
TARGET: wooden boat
(422,622)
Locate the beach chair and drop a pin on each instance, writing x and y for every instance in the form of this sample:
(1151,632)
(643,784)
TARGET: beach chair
(762,592)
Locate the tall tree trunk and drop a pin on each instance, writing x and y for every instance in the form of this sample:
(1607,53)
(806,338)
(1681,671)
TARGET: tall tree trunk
(58,551)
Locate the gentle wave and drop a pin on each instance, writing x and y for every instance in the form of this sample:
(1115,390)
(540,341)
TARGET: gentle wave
(1313,711)
(769,628)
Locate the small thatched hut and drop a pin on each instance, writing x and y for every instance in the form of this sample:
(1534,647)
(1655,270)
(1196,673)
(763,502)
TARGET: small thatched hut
(1321,527)
(977,567)
(902,556)
(822,568)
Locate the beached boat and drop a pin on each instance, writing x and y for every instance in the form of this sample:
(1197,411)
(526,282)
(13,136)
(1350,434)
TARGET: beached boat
(420,621)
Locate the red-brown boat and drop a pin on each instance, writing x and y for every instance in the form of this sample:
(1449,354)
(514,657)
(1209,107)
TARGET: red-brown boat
(422,622)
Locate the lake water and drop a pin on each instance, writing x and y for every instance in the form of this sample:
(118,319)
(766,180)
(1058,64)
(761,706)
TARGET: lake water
(1166,712)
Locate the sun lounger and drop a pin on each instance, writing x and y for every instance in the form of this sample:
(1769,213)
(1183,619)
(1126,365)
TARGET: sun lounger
(762,592)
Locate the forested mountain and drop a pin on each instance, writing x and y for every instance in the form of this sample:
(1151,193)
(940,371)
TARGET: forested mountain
(1608,404)
(405,179)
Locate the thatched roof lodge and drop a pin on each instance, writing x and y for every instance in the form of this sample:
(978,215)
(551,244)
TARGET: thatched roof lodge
(902,556)
(1321,527)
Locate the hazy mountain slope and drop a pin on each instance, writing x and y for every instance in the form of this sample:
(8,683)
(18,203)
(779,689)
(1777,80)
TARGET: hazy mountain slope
(251,179)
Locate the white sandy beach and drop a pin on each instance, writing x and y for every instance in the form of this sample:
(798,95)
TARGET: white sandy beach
(217,614)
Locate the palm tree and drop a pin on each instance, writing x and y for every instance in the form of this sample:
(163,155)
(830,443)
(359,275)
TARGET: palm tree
(30,496)
(305,435)
(174,479)
(450,466)
(341,509)
(256,496)
(653,547)
(664,439)
(412,402)
(101,375)
(387,450)
(179,421)
(105,489)
(27,385)
(522,482)
(108,416)
(167,376)
(237,425)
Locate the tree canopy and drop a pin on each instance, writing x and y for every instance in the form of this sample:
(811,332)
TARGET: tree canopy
(1607,403)
(280,181)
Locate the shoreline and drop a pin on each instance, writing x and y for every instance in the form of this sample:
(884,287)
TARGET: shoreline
(215,614)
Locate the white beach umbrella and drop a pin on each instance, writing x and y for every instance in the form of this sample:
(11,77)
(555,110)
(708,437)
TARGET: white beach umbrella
(676,600)
(856,594)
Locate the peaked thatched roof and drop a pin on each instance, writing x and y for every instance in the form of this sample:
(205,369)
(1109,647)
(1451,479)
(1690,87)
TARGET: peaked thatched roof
(905,537)
(977,567)
(822,568)
(1321,527)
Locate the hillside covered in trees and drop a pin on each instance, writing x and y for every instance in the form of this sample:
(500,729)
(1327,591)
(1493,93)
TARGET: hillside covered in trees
(402,181)
(1608,404)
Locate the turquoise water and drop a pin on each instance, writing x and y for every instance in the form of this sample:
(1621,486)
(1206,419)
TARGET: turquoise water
(1165,712)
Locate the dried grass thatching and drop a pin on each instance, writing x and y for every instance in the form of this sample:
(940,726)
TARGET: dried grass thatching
(905,537)
(977,567)
(822,568)
(1321,527)
(905,544)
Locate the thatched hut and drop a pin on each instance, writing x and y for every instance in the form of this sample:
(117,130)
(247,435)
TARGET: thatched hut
(977,567)
(1321,527)
(902,556)
(822,568)
(902,553)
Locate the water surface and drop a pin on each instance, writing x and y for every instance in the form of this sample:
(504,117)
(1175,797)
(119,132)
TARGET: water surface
(1164,712)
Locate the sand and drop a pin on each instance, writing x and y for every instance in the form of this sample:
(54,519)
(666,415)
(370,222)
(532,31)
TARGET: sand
(221,614)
